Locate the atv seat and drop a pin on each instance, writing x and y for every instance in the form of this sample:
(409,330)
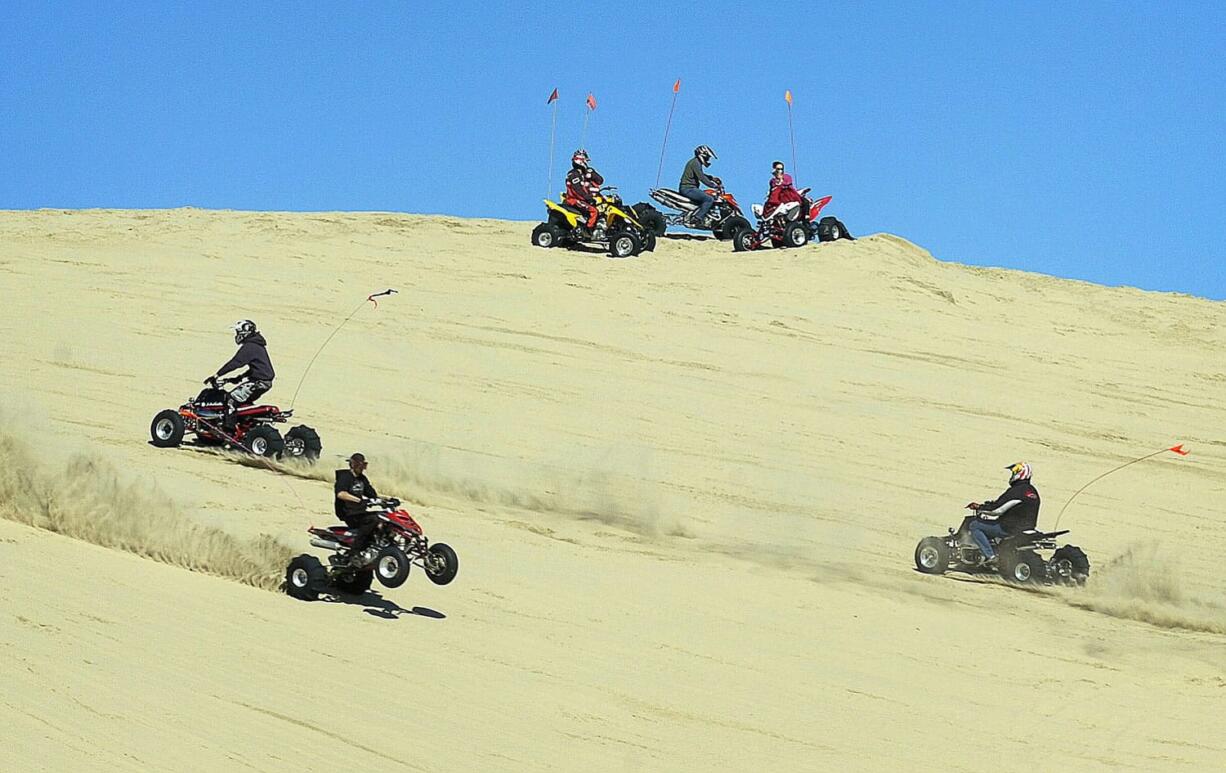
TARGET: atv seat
(258,410)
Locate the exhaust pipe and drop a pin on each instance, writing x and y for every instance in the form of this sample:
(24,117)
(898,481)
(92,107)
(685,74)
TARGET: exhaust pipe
(326,543)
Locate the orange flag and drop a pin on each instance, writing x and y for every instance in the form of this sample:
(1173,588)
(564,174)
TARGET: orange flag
(552,97)
(677,86)
(1179,450)
(591,101)
(788,96)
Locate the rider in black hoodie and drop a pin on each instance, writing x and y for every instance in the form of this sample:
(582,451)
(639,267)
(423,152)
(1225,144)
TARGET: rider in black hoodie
(1012,512)
(252,354)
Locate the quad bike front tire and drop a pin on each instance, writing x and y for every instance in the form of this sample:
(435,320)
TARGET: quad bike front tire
(167,428)
(624,244)
(441,563)
(546,235)
(302,442)
(1070,565)
(264,440)
(932,555)
(795,235)
(649,241)
(1022,567)
(305,577)
(354,584)
(391,567)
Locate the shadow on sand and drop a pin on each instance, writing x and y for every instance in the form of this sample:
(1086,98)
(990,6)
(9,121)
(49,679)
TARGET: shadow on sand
(375,605)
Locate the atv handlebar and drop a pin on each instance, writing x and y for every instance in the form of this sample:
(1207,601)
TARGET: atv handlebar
(383,503)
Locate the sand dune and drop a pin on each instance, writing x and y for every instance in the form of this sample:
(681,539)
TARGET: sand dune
(685,489)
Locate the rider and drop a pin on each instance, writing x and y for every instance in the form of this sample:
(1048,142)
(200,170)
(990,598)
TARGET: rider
(352,491)
(692,178)
(257,379)
(582,186)
(1012,512)
(782,190)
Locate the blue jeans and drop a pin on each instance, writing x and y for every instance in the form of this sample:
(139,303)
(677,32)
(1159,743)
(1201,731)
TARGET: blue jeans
(982,530)
(700,197)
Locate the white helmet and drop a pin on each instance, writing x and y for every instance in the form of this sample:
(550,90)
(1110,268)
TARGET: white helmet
(1018,471)
(244,329)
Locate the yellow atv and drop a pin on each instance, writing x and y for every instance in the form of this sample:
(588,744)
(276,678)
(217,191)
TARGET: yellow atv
(618,228)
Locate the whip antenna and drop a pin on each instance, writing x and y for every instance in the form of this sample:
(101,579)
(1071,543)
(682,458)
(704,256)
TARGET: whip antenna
(369,299)
(1179,449)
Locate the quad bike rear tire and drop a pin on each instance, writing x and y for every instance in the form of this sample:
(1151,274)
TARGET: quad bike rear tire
(651,219)
(354,584)
(167,428)
(546,235)
(264,440)
(1078,569)
(795,235)
(932,555)
(649,241)
(305,577)
(391,567)
(302,442)
(731,227)
(624,244)
(1022,567)
(441,564)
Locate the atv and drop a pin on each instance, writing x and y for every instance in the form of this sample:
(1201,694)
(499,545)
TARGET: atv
(397,544)
(204,417)
(1018,557)
(624,235)
(792,224)
(725,219)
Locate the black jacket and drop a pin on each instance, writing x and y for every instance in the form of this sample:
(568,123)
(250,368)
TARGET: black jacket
(1022,516)
(694,176)
(253,355)
(357,485)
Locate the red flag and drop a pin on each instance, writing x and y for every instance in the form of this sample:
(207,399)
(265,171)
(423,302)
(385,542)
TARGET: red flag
(552,97)
(1179,450)
(591,101)
(677,86)
(788,96)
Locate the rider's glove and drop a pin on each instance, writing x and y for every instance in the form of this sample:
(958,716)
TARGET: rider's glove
(973,506)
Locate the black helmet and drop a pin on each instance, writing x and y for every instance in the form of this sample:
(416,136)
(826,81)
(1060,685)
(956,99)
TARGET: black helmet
(704,154)
(244,329)
(579,159)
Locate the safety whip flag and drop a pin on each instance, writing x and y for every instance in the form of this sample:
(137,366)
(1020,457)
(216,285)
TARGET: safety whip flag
(591,108)
(668,125)
(787,96)
(553,131)
(1177,449)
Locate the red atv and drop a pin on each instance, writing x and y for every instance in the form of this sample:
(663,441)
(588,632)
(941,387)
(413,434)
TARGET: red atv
(204,417)
(397,544)
(792,224)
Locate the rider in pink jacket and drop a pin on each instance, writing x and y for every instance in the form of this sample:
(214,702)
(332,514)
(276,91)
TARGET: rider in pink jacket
(782,190)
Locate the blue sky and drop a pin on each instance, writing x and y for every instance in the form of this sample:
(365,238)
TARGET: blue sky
(1078,139)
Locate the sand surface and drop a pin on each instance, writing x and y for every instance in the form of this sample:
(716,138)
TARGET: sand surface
(685,490)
